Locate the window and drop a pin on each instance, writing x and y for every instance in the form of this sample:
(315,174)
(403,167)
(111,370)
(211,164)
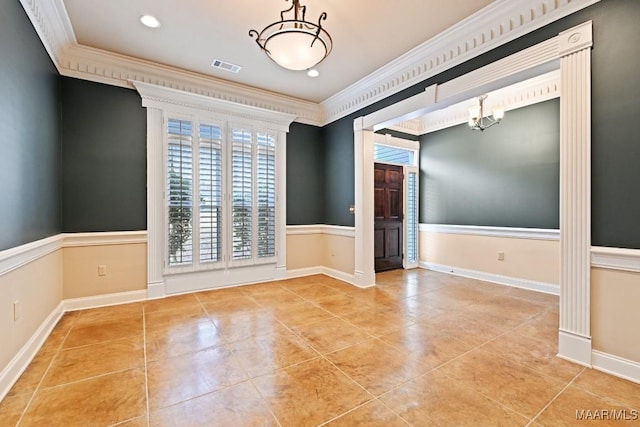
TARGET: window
(203,195)
(394,155)
(412,218)
(215,190)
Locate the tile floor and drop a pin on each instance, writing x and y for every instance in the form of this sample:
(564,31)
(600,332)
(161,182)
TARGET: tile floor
(420,349)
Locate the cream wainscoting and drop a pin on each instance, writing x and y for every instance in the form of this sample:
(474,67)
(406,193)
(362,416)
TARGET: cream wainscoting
(615,313)
(531,256)
(36,286)
(41,280)
(321,249)
(124,254)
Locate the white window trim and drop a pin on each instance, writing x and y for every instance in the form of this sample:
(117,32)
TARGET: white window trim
(158,100)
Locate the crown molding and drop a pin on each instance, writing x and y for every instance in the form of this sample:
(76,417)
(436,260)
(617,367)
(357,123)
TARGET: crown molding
(496,24)
(51,22)
(106,67)
(499,23)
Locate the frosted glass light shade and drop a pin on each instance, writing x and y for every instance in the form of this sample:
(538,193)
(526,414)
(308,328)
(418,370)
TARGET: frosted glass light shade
(294,50)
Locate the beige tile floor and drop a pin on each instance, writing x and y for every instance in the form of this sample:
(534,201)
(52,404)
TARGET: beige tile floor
(420,349)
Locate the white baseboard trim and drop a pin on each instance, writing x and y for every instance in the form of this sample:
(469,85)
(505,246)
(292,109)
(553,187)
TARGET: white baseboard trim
(302,272)
(104,300)
(547,288)
(336,274)
(340,275)
(21,361)
(574,348)
(617,366)
(156,290)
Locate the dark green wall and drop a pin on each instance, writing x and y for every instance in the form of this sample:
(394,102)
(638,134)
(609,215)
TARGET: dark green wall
(615,152)
(305,175)
(338,173)
(29,133)
(505,176)
(104,158)
(616,106)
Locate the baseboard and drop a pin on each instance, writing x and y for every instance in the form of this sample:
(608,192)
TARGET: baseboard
(574,348)
(104,300)
(617,366)
(21,361)
(156,290)
(336,274)
(340,275)
(547,288)
(303,272)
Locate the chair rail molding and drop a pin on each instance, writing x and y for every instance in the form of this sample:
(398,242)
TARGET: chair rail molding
(499,23)
(616,259)
(477,230)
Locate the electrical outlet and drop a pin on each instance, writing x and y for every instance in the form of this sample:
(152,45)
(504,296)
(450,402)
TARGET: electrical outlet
(102,270)
(16,311)
(333,252)
(500,256)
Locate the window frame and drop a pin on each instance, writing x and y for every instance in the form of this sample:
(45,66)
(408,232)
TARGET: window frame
(179,104)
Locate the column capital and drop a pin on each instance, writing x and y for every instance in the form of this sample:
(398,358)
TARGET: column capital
(575,39)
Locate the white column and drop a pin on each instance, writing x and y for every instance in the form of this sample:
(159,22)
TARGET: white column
(364,273)
(155,211)
(575,194)
(281,205)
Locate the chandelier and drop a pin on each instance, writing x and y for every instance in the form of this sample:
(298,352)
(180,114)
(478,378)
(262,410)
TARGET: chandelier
(477,120)
(295,44)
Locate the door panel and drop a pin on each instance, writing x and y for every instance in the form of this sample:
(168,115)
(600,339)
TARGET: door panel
(388,231)
(395,203)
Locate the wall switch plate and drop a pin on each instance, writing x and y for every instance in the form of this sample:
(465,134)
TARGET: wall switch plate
(500,256)
(102,270)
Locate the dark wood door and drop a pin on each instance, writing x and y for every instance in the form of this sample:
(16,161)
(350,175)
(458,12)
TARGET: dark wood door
(388,216)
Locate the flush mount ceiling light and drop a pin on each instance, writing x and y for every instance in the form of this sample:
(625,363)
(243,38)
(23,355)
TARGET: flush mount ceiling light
(150,21)
(477,120)
(295,44)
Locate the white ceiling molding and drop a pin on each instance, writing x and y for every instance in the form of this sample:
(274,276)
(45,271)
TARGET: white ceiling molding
(499,23)
(119,70)
(51,22)
(495,25)
(177,100)
(532,91)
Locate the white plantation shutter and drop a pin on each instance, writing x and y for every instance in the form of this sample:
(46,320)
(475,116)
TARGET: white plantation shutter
(221,196)
(411,217)
(241,194)
(180,192)
(266,193)
(210,197)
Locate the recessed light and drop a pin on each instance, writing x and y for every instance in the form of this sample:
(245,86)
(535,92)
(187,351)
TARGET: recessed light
(150,21)
(313,72)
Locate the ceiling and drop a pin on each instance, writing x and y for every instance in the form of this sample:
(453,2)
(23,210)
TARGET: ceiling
(195,32)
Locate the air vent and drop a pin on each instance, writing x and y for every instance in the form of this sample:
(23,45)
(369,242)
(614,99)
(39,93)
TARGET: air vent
(227,66)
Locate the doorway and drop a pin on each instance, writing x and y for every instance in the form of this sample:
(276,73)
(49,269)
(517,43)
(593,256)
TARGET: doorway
(388,217)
